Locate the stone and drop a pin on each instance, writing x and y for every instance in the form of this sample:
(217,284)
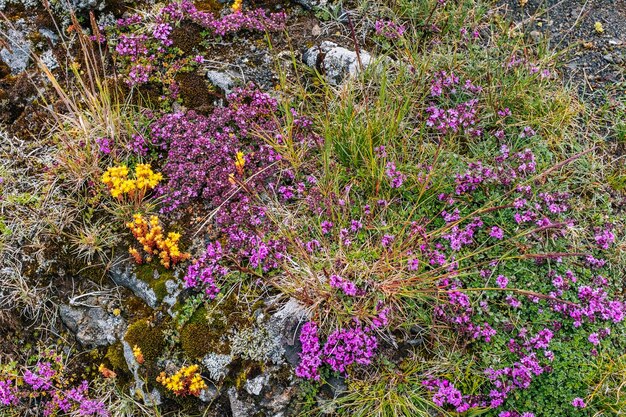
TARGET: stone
(84,5)
(335,62)
(285,325)
(255,386)
(311,4)
(535,35)
(93,326)
(209,394)
(222,80)
(240,407)
(17,54)
(138,388)
(123,275)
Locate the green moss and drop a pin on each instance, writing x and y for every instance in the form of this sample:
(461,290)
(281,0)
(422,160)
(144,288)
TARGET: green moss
(115,356)
(198,339)
(146,273)
(207,329)
(195,92)
(148,336)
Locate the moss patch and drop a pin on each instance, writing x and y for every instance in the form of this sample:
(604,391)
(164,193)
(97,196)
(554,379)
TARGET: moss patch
(148,336)
(115,356)
(195,92)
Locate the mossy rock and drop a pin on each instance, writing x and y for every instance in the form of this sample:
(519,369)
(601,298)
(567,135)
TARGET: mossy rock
(146,273)
(207,329)
(115,356)
(148,337)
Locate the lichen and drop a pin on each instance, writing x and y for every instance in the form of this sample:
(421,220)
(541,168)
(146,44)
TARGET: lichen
(257,344)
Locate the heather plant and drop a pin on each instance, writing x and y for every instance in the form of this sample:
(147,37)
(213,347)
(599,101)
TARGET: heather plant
(439,205)
(46,387)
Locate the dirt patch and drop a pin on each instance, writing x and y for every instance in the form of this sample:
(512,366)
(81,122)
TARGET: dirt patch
(594,56)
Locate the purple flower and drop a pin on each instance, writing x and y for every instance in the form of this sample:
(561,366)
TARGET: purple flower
(310,358)
(496,233)
(326,227)
(594,338)
(387,240)
(502,281)
(579,403)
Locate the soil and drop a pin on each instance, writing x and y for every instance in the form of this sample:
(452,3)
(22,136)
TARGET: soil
(593,62)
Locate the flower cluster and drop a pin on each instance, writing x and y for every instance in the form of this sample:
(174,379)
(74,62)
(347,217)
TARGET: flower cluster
(154,56)
(389,29)
(461,117)
(154,242)
(186,381)
(204,271)
(344,347)
(120,185)
(47,380)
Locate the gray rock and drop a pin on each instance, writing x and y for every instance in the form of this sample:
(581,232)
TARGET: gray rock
(17,55)
(82,5)
(217,365)
(335,62)
(240,407)
(285,325)
(173,289)
(255,386)
(93,326)
(310,4)
(123,275)
(535,35)
(138,388)
(209,394)
(225,81)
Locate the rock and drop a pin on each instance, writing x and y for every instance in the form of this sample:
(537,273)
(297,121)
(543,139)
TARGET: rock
(240,407)
(83,5)
(209,394)
(256,385)
(17,54)
(613,58)
(335,62)
(535,35)
(285,325)
(137,389)
(310,4)
(93,326)
(225,81)
(217,365)
(173,289)
(124,276)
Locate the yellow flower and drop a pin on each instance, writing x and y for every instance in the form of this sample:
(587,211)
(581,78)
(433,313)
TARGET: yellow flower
(598,27)
(236,5)
(138,355)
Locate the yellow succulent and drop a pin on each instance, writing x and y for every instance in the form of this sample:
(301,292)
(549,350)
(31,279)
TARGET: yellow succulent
(187,380)
(236,6)
(598,27)
(116,178)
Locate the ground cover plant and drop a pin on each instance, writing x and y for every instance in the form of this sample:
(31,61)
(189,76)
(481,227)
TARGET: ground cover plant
(438,234)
